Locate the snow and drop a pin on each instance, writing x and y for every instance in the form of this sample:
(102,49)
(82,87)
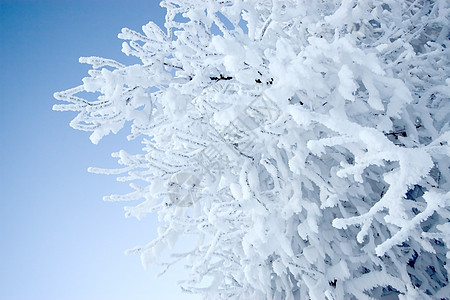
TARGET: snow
(294,134)
(347,85)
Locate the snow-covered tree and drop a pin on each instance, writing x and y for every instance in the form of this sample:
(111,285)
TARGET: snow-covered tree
(304,145)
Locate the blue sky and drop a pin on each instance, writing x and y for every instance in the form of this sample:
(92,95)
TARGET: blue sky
(59,240)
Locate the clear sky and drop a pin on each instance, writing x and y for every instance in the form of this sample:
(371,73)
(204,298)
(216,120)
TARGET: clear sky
(58,239)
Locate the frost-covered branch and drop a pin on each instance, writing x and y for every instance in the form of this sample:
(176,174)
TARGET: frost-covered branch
(304,145)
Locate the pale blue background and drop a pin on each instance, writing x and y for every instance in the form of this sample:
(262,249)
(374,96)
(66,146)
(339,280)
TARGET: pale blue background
(58,239)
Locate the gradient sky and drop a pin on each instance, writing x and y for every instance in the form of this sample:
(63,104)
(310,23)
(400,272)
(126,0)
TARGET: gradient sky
(58,239)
